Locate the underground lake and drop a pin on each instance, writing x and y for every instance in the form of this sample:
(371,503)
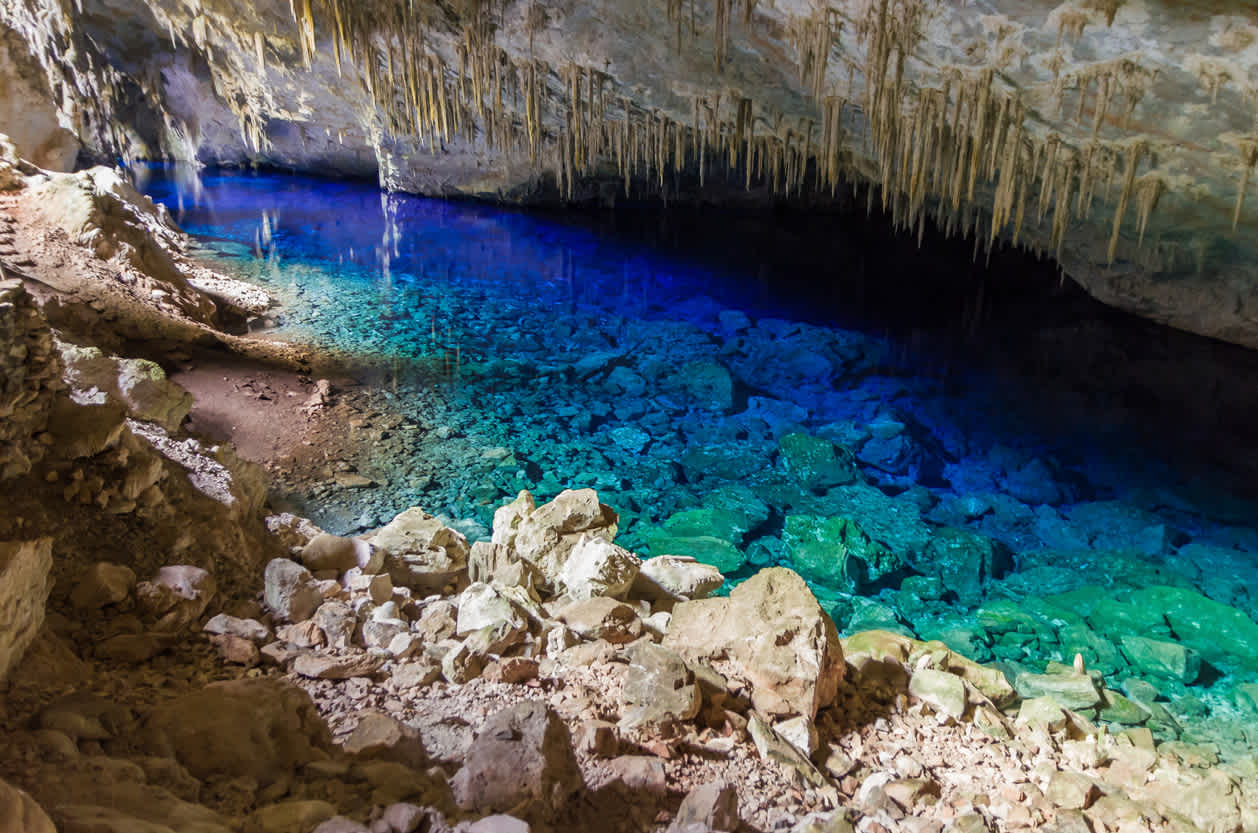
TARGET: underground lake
(955,448)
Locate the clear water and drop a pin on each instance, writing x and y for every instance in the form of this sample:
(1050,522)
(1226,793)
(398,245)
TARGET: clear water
(1026,472)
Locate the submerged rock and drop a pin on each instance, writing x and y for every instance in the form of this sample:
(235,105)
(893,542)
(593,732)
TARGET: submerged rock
(836,552)
(815,462)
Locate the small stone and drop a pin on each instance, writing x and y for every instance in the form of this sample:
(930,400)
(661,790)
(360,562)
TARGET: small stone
(404,818)
(235,649)
(249,629)
(800,733)
(411,675)
(325,667)
(495,824)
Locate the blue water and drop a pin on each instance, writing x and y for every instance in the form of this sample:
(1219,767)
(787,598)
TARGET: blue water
(662,359)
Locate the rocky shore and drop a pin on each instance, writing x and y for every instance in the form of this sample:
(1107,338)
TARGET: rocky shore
(177,657)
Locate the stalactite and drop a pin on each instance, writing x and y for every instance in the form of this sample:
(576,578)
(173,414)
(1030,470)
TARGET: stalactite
(1135,153)
(1249,158)
(1149,189)
(721,34)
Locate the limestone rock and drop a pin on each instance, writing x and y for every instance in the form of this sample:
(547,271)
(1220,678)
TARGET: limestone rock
(179,593)
(944,692)
(338,623)
(290,591)
(327,667)
(137,385)
(522,755)
(1161,658)
(712,806)
(103,584)
(775,633)
(658,689)
(602,618)
(676,577)
(381,736)
(261,728)
(722,555)
(545,537)
(422,552)
(836,552)
(483,606)
(332,552)
(1070,691)
(20,814)
(815,462)
(24,588)
(250,629)
(964,561)
(597,567)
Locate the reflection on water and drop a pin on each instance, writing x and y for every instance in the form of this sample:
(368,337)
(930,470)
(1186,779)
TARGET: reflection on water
(971,453)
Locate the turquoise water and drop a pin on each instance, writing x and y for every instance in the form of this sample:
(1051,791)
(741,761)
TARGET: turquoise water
(955,452)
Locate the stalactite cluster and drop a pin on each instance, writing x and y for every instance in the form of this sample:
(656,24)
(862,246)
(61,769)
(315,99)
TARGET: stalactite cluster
(968,152)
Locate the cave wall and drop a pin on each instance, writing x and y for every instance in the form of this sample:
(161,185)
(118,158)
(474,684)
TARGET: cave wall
(1115,135)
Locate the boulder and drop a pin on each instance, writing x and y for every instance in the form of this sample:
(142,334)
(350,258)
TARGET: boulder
(602,618)
(338,623)
(677,578)
(421,552)
(179,594)
(1069,690)
(774,633)
(964,561)
(1162,658)
(291,816)
(24,588)
(334,553)
(546,536)
(837,553)
(290,591)
(722,555)
(597,567)
(261,728)
(815,462)
(707,384)
(139,386)
(1221,634)
(658,689)
(521,758)
(483,606)
(103,584)
(20,814)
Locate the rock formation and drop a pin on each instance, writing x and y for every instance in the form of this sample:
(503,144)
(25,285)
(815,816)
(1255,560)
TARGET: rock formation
(1115,135)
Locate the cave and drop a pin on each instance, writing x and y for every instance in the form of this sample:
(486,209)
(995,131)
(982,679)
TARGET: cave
(721,415)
